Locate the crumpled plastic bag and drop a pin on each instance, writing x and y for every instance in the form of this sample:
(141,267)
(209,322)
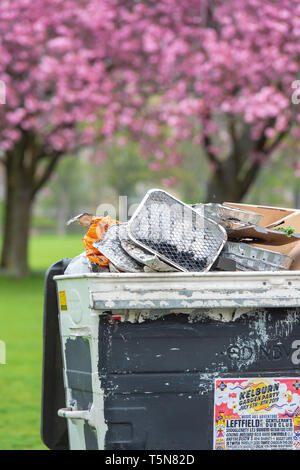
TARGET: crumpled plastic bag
(78,265)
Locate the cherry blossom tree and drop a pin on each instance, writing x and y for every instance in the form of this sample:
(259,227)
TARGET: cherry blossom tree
(219,73)
(53,64)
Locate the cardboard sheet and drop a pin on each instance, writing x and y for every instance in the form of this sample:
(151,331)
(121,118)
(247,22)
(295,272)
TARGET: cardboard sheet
(262,233)
(292,220)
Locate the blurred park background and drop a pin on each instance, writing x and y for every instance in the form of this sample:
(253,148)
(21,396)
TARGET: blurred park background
(102,99)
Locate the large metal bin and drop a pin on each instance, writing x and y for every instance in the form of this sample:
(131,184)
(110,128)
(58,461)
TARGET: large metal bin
(181,360)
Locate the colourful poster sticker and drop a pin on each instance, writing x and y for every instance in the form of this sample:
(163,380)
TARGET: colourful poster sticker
(257,413)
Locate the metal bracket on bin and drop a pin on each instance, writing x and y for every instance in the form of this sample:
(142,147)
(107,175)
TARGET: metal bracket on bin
(74,414)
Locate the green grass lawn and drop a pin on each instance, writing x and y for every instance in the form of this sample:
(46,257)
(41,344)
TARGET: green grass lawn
(21,322)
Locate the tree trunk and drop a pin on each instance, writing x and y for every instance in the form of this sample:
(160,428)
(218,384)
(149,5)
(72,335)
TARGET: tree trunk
(234,176)
(220,189)
(24,178)
(224,185)
(18,204)
(228,183)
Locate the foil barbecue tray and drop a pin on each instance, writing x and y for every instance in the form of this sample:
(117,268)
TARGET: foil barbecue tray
(176,233)
(111,247)
(227,216)
(140,254)
(251,258)
(113,269)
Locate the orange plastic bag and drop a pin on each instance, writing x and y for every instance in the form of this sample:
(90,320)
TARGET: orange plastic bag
(96,232)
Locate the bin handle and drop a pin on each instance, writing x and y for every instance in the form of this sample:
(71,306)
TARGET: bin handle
(86,415)
(69,413)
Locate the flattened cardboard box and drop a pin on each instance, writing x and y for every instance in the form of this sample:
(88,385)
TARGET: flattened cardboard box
(269,239)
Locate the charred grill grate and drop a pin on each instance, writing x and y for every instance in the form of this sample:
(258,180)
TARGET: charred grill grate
(176,233)
(140,254)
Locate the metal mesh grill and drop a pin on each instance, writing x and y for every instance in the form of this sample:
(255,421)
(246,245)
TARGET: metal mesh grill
(111,247)
(113,269)
(136,252)
(249,257)
(176,233)
(140,254)
(227,216)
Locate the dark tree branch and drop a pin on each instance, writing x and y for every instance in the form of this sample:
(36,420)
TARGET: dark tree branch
(260,146)
(47,172)
(249,178)
(276,142)
(210,155)
(237,153)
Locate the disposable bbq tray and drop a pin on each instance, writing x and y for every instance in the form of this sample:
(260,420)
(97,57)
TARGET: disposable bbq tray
(270,215)
(248,257)
(176,233)
(140,254)
(111,247)
(227,216)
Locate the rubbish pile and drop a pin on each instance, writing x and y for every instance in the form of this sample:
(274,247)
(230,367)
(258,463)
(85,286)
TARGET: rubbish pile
(166,235)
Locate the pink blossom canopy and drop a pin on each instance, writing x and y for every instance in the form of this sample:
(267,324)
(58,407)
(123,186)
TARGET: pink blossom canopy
(165,71)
